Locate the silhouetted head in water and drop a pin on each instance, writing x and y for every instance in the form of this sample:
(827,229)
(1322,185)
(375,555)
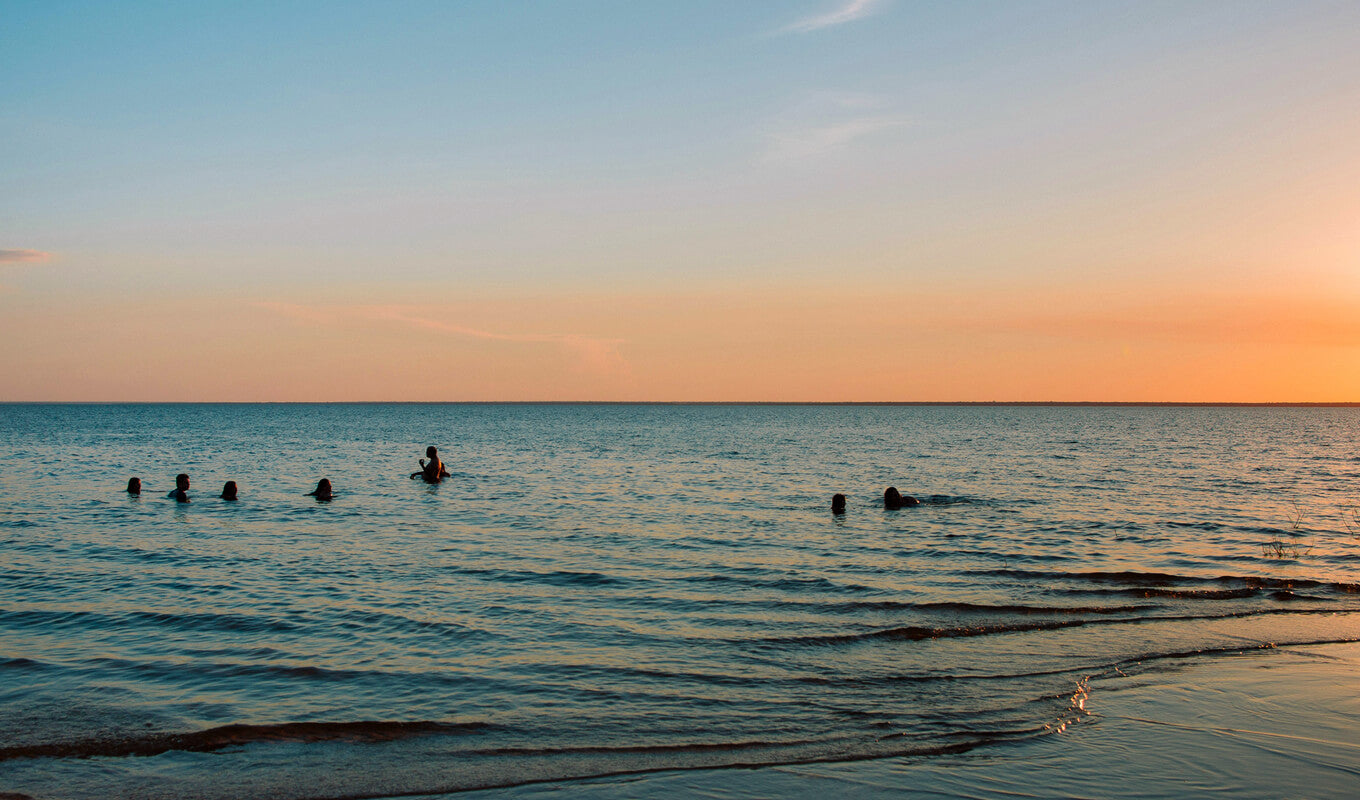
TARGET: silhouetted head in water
(181,492)
(893,499)
(229,490)
(323,490)
(134,485)
(432,452)
(837,504)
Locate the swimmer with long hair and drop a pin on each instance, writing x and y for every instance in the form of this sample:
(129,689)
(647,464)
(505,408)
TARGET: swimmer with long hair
(894,499)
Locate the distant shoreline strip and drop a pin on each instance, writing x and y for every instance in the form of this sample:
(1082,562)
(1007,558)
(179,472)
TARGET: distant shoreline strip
(830,403)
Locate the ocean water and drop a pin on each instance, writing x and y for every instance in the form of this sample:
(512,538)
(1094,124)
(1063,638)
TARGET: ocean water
(610,588)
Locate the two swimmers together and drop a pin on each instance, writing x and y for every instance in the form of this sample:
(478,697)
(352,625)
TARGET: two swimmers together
(892,500)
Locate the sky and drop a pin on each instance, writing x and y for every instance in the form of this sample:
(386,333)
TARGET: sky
(680,200)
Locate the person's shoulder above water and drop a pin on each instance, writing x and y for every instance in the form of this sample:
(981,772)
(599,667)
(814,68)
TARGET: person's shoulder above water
(894,499)
(432,470)
(181,490)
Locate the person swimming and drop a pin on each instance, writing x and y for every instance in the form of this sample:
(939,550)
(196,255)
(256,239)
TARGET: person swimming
(134,487)
(229,490)
(432,471)
(893,499)
(322,490)
(181,492)
(837,504)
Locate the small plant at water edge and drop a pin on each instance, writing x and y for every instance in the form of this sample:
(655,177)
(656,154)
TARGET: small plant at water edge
(1279,548)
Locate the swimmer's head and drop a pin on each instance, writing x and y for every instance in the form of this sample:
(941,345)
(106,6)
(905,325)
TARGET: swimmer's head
(229,490)
(134,485)
(431,451)
(182,481)
(323,485)
(837,504)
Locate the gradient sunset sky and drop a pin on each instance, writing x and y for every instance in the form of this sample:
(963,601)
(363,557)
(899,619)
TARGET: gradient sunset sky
(810,200)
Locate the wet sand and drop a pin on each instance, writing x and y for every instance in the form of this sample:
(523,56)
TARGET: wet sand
(1260,724)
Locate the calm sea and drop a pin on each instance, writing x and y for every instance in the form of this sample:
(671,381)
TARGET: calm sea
(606,588)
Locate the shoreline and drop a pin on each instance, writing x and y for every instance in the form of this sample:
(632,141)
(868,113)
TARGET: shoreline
(717,403)
(1262,723)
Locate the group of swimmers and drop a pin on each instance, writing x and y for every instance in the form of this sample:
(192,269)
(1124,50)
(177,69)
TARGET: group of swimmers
(432,470)
(180,494)
(892,499)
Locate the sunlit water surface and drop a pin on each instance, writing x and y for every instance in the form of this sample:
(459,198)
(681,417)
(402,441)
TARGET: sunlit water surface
(611,588)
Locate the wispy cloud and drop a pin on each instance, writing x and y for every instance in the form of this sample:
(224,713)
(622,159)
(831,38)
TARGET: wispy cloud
(819,139)
(23,256)
(849,12)
(597,353)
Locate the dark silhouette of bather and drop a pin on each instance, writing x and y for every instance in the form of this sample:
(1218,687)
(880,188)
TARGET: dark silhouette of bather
(837,504)
(893,499)
(135,486)
(229,490)
(181,492)
(322,490)
(431,470)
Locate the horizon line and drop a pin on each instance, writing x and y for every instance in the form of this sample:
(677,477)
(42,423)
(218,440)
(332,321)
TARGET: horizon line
(974,403)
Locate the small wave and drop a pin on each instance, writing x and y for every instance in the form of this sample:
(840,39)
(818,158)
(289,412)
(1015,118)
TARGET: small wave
(982,608)
(950,500)
(236,735)
(557,578)
(1189,594)
(1145,579)
(179,621)
(794,584)
(919,632)
(20,663)
(1202,526)
(695,747)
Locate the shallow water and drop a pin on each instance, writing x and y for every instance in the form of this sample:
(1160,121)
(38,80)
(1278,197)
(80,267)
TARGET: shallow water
(604,588)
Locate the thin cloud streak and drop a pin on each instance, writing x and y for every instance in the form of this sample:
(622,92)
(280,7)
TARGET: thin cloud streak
(23,256)
(810,142)
(597,353)
(855,9)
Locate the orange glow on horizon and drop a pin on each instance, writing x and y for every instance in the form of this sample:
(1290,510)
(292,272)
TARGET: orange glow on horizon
(808,345)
